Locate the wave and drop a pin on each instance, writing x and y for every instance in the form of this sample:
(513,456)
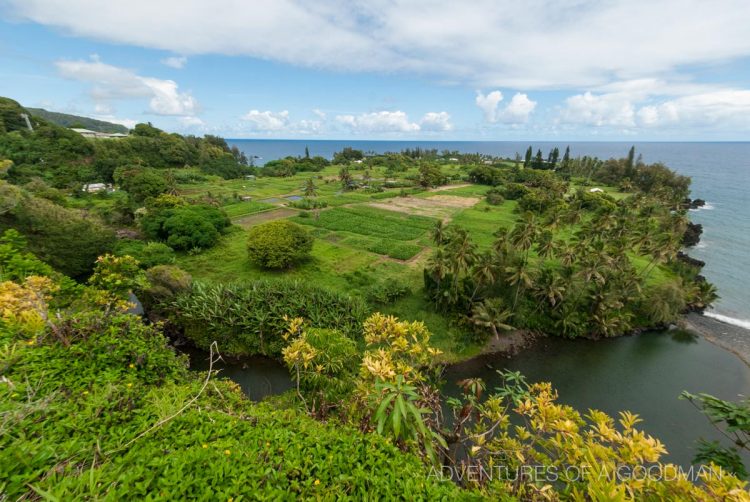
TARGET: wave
(742,323)
(705,207)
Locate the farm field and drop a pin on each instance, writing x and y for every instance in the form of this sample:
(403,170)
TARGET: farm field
(363,239)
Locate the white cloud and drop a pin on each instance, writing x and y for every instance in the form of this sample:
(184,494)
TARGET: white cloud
(176,62)
(613,109)
(112,83)
(500,43)
(191,122)
(726,108)
(319,113)
(267,121)
(488,104)
(658,104)
(379,122)
(436,121)
(517,111)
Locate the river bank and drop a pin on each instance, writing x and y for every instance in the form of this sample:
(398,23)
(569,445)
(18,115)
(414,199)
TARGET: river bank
(727,336)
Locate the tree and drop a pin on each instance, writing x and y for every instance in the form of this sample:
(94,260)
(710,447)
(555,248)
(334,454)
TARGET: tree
(278,244)
(346,179)
(527,157)
(430,175)
(310,189)
(307,152)
(140,183)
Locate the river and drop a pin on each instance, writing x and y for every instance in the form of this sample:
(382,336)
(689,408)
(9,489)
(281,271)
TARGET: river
(644,374)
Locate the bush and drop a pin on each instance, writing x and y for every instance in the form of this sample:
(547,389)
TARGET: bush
(278,244)
(308,203)
(188,230)
(63,238)
(495,198)
(186,227)
(250,318)
(149,254)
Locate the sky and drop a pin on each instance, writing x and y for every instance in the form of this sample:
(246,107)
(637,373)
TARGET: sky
(647,70)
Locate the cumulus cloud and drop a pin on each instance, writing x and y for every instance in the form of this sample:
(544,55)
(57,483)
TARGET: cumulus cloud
(729,108)
(517,111)
(436,121)
(378,122)
(112,83)
(614,109)
(267,121)
(656,104)
(176,62)
(549,48)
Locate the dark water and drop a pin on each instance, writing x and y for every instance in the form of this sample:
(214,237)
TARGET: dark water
(720,173)
(644,374)
(257,376)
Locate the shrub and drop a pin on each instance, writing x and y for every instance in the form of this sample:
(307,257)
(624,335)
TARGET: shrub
(308,203)
(323,362)
(188,230)
(149,254)
(278,244)
(664,303)
(495,198)
(61,237)
(249,318)
(186,227)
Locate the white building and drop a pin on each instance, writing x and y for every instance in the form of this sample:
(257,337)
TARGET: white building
(87,133)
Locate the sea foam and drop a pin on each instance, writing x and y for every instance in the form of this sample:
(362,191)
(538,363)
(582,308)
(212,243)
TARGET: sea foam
(742,323)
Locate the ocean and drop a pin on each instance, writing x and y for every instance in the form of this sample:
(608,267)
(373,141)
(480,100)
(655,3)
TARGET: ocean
(720,173)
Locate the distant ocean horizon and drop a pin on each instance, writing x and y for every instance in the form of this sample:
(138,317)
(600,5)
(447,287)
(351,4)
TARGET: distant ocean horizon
(720,172)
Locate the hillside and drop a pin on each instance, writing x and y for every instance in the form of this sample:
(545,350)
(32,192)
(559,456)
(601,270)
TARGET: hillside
(68,120)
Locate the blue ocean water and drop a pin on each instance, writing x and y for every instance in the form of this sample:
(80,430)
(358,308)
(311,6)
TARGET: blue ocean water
(720,173)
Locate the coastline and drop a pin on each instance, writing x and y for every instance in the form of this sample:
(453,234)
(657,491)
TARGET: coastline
(727,336)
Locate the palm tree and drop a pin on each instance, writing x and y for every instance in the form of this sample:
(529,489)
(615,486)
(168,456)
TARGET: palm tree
(520,278)
(491,314)
(438,233)
(484,272)
(310,189)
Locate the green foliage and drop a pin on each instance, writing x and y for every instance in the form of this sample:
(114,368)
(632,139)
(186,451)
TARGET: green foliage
(278,244)
(140,183)
(323,363)
(732,419)
(116,415)
(663,303)
(308,203)
(67,120)
(399,415)
(16,263)
(148,254)
(249,318)
(63,238)
(347,155)
(118,275)
(289,166)
(431,175)
(185,227)
(374,222)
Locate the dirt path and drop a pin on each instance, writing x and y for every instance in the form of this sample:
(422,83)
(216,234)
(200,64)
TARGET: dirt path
(449,187)
(274,214)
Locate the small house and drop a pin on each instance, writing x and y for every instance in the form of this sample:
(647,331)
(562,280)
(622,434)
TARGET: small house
(596,190)
(96,187)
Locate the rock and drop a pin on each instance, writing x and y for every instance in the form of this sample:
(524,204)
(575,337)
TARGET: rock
(692,235)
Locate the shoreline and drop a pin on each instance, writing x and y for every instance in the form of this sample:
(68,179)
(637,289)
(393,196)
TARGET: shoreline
(727,336)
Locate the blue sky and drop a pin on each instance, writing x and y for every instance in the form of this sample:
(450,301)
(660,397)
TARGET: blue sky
(389,69)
